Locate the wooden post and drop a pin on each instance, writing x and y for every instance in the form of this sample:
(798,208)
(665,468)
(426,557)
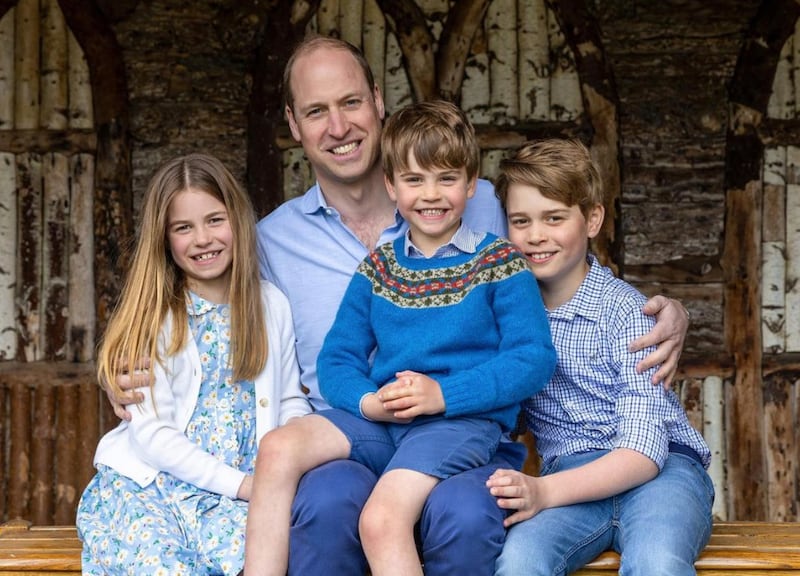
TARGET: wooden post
(54,79)
(89,430)
(350,21)
(55,255)
(29,182)
(69,416)
(19,455)
(534,61)
(773,257)
(26,84)
(43,419)
(781,459)
(374,41)
(82,320)
(501,24)
(714,435)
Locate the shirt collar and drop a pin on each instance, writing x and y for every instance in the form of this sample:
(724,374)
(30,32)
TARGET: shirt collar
(464,241)
(197,306)
(588,299)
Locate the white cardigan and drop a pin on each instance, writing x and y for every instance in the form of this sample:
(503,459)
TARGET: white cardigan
(152,442)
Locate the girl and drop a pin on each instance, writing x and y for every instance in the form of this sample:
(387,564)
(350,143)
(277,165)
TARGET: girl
(171,490)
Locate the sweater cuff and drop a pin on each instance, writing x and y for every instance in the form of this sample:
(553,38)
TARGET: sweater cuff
(361,406)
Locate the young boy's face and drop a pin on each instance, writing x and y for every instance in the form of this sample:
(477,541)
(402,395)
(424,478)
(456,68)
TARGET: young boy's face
(431,201)
(554,238)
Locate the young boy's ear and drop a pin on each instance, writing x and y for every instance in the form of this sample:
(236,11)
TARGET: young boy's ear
(472,186)
(594,220)
(389,187)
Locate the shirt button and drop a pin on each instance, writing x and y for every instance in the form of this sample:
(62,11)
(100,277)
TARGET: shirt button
(263,402)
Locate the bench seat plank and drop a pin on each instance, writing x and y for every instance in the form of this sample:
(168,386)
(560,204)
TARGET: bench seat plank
(766,548)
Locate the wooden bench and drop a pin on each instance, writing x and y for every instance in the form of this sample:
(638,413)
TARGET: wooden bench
(768,548)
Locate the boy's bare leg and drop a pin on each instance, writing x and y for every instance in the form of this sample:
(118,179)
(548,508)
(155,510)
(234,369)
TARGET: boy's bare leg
(284,455)
(387,522)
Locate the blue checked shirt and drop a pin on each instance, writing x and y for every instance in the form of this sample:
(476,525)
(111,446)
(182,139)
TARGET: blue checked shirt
(596,400)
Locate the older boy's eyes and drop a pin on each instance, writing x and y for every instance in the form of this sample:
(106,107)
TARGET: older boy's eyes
(517,221)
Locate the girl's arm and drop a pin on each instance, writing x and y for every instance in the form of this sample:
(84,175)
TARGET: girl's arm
(159,442)
(611,474)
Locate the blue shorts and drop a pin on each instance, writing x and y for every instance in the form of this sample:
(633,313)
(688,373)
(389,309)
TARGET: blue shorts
(433,445)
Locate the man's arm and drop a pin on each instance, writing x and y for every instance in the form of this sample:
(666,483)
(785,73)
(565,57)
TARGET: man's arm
(128,383)
(669,334)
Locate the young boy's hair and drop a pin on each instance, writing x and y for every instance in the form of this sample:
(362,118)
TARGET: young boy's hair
(561,170)
(437,132)
(155,286)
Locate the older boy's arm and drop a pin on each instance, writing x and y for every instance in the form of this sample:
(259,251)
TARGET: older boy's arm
(669,334)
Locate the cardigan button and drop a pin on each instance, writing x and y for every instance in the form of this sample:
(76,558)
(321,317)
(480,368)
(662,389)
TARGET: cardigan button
(263,402)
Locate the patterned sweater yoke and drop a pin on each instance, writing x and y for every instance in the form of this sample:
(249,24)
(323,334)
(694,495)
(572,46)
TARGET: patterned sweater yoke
(411,283)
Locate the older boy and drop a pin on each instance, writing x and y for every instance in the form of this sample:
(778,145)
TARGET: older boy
(622,468)
(439,336)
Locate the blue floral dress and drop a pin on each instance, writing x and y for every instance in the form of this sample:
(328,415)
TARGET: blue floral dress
(171,527)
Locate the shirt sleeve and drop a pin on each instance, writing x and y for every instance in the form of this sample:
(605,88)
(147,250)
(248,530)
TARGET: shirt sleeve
(643,409)
(343,365)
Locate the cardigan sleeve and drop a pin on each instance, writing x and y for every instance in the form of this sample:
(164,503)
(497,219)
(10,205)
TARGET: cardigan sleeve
(159,442)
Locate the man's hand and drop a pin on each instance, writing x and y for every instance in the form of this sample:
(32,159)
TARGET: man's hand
(411,395)
(669,334)
(128,383)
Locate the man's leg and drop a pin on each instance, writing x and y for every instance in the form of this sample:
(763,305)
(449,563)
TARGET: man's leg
(462,526)
(324,534)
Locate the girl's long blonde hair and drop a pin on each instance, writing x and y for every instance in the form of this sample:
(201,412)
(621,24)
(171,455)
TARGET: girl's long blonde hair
(155,286)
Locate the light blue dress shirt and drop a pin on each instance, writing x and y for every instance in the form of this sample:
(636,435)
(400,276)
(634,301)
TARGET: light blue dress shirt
(307,252)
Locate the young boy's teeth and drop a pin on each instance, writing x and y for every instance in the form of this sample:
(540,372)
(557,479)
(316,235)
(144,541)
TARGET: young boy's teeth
(541,256)
(431,212)
(344,149)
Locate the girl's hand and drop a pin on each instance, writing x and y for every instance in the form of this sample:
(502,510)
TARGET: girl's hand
(411,395)
(516,491)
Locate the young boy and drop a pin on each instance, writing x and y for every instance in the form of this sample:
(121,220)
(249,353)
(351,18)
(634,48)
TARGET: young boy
(622,468)
(436,342)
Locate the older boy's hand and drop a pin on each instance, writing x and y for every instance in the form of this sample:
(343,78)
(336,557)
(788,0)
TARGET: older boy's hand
(669,334)
(515,491)
(411,395)
(129,382)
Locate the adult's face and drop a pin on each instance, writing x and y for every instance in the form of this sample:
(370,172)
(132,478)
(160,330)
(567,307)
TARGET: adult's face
(336,116)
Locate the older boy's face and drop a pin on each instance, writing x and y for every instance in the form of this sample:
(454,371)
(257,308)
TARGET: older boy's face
(336,116)
(554,238)
(431,200)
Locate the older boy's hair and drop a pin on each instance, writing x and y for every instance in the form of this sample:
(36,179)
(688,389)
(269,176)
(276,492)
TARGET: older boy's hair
(437,132)
(312,43)
(560,169)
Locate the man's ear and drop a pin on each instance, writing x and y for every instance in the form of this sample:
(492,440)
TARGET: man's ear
(292,123)
(376,94)
(594,219)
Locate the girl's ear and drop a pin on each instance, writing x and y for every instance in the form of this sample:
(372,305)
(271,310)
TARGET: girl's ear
(594,220)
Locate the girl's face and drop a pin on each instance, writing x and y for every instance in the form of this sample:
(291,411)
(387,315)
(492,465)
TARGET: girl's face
(201,242)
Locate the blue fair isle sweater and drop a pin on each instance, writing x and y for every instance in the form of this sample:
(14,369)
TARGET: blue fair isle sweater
(475,323)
